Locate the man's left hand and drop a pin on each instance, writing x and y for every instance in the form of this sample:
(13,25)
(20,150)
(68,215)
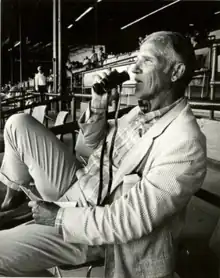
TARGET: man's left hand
(44,213)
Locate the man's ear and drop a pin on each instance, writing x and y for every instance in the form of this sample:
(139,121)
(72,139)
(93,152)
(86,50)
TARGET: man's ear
(178,72)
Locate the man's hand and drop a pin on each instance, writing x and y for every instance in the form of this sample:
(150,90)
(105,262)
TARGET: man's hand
(44,213)
(101,101)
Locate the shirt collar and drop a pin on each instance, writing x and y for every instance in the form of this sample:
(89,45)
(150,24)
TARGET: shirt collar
(156,114)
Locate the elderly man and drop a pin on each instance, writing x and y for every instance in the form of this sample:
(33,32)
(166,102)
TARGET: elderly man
(158,163)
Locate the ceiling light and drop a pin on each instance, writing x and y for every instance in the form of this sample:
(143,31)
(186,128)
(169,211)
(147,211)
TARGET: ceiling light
(191,24)
(99,1)
(143,17)
(70,26)
(218,12)
(88,10)
(49,44)
(17,43)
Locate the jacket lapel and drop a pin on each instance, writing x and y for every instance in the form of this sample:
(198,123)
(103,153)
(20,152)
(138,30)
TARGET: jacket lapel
(139,150)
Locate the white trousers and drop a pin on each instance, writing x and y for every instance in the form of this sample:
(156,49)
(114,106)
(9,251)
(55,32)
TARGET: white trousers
(33,152)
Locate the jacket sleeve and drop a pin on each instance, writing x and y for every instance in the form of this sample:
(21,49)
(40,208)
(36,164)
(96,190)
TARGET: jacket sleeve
(93,127)
(163,191)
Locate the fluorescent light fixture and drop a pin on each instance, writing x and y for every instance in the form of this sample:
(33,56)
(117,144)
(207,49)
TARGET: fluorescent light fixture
(87,11)
(70,26)
(37,44)
(218,12)
(49,44)
(99,1)
(145,16)
(17,43)
(191,24)
(10,49)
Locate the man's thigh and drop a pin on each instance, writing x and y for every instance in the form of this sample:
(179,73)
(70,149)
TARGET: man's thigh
(32,248)
(31,150)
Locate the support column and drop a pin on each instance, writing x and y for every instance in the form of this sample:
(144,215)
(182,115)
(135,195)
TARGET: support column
(12,65)
(0,63)
(213,73)
(55,46)
(21,47)
(59,49)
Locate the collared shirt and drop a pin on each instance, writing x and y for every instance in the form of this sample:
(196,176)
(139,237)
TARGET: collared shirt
(40,80)
(127,136)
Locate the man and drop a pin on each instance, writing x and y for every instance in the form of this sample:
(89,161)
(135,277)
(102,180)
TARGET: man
(93,58)
(158,163)
(50,81)
(40,82)
(101,56)
(86,62)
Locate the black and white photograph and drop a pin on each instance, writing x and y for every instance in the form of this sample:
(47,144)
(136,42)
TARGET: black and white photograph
(110,138)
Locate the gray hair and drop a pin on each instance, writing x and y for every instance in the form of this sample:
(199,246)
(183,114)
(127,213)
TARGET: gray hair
(176,48)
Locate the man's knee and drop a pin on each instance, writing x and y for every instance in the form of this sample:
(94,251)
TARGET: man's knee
(17,124)
(18,121)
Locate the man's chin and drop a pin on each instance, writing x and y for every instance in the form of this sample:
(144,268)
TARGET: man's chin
(142,95)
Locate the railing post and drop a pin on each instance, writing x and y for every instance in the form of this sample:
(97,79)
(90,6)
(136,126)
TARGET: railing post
(59,49)
(212,81)
(1,124)
(73,108)
(55,46)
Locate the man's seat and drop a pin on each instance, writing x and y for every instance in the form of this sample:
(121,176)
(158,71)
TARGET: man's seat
(39,113)
(61,119)
(90,265)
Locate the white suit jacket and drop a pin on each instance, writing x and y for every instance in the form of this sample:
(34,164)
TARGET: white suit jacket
(144,207)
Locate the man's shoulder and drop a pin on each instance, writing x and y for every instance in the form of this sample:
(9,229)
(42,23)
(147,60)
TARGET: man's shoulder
(185,126)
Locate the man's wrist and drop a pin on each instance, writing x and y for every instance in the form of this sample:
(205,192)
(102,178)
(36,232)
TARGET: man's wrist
(97,107)
(96,110)
(59,221)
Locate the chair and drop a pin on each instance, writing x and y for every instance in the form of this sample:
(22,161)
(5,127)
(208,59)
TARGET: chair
(199,85)
(60,120)
(97,263)
(39,113)
(27,111)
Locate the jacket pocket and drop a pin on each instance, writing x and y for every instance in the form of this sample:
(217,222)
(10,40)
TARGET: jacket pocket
(129,181)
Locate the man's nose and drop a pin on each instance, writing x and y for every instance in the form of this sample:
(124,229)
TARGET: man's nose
(136,68)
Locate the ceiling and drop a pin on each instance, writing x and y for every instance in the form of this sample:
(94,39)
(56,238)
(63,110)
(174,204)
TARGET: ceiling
(102,24)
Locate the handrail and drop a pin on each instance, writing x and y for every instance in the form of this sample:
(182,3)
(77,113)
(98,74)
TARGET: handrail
(106,66)
(32,105)
(14,100)
(205,105)
(209,197)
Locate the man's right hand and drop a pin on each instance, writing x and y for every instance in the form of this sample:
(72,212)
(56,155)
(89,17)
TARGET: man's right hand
(101,101)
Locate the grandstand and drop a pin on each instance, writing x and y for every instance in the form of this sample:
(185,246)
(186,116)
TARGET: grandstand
(52,34)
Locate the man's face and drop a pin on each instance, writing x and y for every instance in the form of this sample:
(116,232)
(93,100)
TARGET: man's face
(152,71)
